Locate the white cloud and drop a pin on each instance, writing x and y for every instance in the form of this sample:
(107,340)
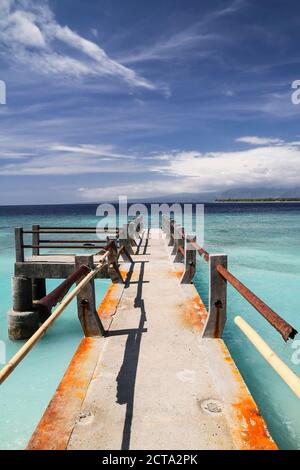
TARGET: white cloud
(169,47)
(273,165)
(136,189)
(190,171)
(94,32)
(22,29)
(229,93)
(193,39)
(25,24)
(254,140)
(103,151)
(42,158)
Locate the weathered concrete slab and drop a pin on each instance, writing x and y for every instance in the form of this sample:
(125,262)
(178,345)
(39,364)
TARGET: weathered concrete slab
(56,266)
(54,430)
(156,383)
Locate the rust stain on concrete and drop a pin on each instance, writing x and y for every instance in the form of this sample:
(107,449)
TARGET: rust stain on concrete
(178,273)
(54,429)
(109,304)
(123,274)
(250,430)
(194,313)
(253,432)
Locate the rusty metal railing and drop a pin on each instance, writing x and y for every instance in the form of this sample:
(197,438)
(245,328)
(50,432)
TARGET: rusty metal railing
(24,350)
(284,328)
(84,277)
(45,305)
(201,251)
(109,233)
(218,290)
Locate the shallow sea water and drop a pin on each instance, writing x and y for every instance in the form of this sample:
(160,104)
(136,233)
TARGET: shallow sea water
(262,242)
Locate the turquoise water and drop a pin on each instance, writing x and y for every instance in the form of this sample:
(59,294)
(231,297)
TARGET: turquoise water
(25,395)
(262,242)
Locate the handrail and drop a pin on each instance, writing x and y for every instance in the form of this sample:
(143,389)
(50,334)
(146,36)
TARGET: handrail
(73,241)
(284,328)
(288,376)
(201,251)
(76,228)
(70,231)
(37,243)
(103,244)
(198,248)
(24,350)
(69,247)
(50,300)
(181,250)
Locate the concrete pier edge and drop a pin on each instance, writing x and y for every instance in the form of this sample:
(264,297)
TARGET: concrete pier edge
(229,400)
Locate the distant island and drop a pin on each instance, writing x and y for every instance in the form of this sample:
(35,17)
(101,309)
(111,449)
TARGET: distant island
(266,199)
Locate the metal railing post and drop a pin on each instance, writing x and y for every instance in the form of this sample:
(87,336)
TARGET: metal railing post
(35,240)
(171,239)
(124,239)
(189,259)
(179,255)
(217,298)
(131,233)
(19,242)
(86,302)
(167,223)
(38,285)
(164,223)
(113,267)
(175,239)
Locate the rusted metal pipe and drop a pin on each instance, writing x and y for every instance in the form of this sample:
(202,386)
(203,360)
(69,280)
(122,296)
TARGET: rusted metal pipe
(67,247)
(79,228)
(181,233)
(181,250)
(284,328)
(73,241)
(70,231)
(201,251)
(45,304)
(24,350)
(124,250)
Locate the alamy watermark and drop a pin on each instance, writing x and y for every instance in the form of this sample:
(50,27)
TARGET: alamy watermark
(190,216)
(296,354)
(2,92)
(295,97)
(2,352)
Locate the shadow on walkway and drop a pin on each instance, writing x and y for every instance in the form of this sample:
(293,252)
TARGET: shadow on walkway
(127,374)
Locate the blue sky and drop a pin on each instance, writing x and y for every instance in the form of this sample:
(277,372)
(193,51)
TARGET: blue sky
(159,98)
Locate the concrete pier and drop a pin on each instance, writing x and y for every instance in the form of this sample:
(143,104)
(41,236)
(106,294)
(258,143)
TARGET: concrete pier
(23,320)
(153,382)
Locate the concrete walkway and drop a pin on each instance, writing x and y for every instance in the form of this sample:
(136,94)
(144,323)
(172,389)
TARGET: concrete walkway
(155,383)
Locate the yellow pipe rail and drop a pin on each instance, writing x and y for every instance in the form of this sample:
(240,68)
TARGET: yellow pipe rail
(287,375)
(24,350)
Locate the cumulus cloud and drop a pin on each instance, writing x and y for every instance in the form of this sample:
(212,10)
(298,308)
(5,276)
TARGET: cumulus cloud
(136,189)
(272,165)
(31,35)
(194,172)
(255,140)
(189,171)
(22,29)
